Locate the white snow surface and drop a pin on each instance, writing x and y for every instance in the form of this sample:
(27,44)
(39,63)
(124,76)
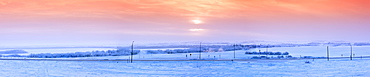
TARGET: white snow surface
(320,51)
(296,68)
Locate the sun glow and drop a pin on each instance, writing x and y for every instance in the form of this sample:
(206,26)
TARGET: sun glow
(194,30)
(197,21)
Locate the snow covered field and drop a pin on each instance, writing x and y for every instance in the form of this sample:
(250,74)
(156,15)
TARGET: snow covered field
(320,51)
(316,51)
(240,54)
(318,67)
(65,50)
(56,50)
(296,68)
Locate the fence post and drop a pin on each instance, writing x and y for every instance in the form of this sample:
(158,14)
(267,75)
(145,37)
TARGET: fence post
(132,50)
(327,52)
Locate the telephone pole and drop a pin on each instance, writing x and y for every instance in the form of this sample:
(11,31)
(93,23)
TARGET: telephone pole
(327,52)
(132,50)
(200,50)
(351,51)
(267,49)
(234,50)
(259,50)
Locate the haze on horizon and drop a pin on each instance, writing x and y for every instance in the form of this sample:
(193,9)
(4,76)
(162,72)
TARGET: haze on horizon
(119,22)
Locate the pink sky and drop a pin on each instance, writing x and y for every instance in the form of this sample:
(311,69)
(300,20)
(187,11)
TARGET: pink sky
(118,22)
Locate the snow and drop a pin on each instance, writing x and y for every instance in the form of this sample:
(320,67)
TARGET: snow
(40,50)
(296,68)
(65,50)
(320,51)
(239,54)
(12,52)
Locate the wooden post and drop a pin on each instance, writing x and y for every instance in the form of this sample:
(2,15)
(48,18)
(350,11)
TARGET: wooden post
(132,50)
(259,49)
(351,51)
(200,50)
(327,52)
(234,51)
(267,50)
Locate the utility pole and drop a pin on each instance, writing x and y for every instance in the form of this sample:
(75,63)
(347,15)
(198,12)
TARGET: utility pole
(200,50)
(234,50)
(351,51)
(327,52)
(267,50)
(132,50)
(259,48)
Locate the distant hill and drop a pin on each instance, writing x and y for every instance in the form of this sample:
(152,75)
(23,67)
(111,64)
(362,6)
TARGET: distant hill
(13,52)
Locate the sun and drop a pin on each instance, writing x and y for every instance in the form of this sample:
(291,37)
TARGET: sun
(196,29)
(197,21)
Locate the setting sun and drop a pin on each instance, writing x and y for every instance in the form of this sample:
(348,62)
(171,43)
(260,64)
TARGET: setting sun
(197,21)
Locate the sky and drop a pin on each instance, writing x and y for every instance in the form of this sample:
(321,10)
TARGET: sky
(119,22)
